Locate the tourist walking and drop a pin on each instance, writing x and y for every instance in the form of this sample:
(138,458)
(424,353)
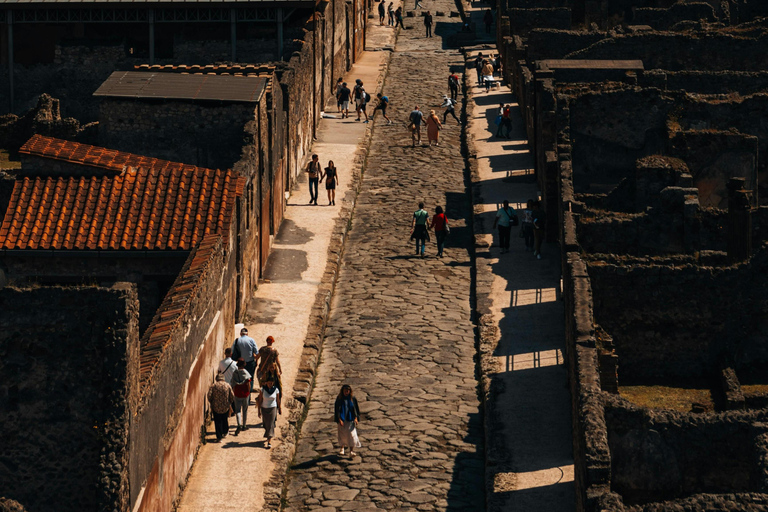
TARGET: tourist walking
(331,177)
(416,119)
(346,414)
(539,226)
(221,398)
(339,86)
(361,98)
(399,17)
(420,229)
(428,23)
(488,20)
(382,12)
(241,388)
(390,15)
(440,225)
(245,347)
(227,366)
(433,128)
(313,171)
(504,122)
(479,68)
(487,72)
(382,105)
(269,403)
(526,225)
(505,219)
(417,4)
(449,105)
(343,98)
(269,358)
(453,85)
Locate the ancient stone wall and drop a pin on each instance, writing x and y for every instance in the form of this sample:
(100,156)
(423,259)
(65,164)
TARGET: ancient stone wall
(706,82)
(166,427)
(204,134)
(69,368)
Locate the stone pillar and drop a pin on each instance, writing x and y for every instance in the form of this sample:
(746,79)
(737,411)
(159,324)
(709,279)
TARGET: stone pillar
(151,17)
(233,32)
(739,221)
(279,12)
(9,20)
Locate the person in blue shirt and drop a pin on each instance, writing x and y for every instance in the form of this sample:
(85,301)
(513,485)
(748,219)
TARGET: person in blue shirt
(245,347)
(382,105)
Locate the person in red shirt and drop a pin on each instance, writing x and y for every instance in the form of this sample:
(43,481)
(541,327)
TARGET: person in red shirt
(440,225)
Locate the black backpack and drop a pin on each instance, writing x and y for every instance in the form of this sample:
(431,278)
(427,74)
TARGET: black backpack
(236,352)
(367,97)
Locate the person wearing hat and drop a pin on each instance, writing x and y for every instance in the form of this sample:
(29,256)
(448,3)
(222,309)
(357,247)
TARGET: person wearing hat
(449,104)
(245,347)
(343,97)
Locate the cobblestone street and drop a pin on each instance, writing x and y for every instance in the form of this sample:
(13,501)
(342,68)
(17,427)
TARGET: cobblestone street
(400,330)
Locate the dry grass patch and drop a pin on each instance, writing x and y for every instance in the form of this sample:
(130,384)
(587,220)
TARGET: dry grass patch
(663,397)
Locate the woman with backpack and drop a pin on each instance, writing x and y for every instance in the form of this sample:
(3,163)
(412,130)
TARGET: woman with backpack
(241,386)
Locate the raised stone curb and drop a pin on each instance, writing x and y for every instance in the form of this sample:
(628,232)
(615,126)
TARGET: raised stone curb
(313,342)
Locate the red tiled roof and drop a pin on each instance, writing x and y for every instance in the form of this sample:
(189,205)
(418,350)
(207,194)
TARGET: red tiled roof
(93,156)
(171,310)
(163,207)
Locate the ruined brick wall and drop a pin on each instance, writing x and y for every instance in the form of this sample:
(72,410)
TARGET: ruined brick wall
(522,21)
(707,82)
(556,44)
(645,308)
(205,134)
(166,427)
(68,371)
(663,455)
(666,19)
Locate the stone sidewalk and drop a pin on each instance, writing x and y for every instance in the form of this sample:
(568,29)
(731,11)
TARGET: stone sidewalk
(400,329)
(283,304)
(529,461)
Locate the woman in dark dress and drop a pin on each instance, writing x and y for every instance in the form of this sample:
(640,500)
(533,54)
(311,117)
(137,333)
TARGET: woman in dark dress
(331,176)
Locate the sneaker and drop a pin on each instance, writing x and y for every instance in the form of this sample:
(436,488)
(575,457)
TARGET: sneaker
(342,451)
(365,122)
(389,122)
(269,445)
(535,253)
(538,256)
(237,431)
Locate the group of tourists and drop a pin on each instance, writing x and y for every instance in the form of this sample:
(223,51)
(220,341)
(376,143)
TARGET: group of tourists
(486,67)
(344,95)
(532,226)
(394,16)
(231,393)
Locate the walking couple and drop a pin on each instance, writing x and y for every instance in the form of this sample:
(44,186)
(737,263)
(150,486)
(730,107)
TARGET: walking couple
(420,225)
(317,174)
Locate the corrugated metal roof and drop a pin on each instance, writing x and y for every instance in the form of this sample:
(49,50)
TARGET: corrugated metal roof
(137,84)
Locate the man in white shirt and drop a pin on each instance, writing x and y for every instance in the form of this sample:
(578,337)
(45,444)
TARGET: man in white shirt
(227,366)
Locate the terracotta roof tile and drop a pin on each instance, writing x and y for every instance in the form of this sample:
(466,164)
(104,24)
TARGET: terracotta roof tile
(163,206)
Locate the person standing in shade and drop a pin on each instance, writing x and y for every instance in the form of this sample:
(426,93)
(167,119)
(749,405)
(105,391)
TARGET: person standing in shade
(382,12)
(313,171)
(440,225)
(416,118)
(428,23)
(433,128)
(343,97)
(449,105)
(488,20)
(331,177)
(346,414)
(390,15)
(526,225)
(479,68)
(221,398)
(505,218)
(245,347)
(539,227)
(241,387)
(420,229)
(269,403)
(227,366)
(506,122)
(453,85)
(383,104)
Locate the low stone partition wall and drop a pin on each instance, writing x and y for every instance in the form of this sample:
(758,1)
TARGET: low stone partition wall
(707,82)
(666,19)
